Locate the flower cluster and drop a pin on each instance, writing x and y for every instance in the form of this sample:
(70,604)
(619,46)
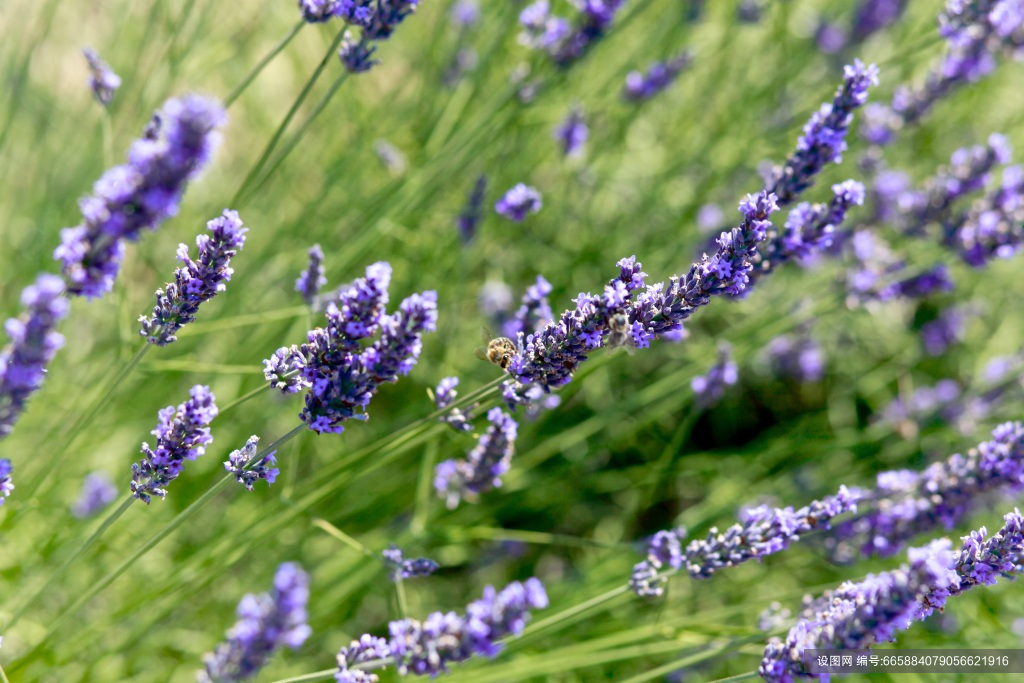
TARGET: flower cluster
(860,614)
(550,356)
(762,531)
(444,395)
(659,76)
(905,503)
(182,433)
(565,41)
(310,282)
(196,281)
(824,138)
(517,202)
(428,647)
(239,463)
(472,212)
(265,622)
(102,79)
(874,15)
(376,19)
(534,311)
(483,466)
(140,194)
(34,341)
(710,387)
(994,227)
(340,374)
(401,568)
(368,648)
(97,493)
(6,484)
(572,132)
(797,357)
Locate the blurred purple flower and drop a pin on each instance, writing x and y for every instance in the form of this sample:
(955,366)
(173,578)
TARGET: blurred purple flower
(874,15)
(534,312)
(103,81)
(444,395)
(312,279)
(519,201)
(6,483)
(401,568)
(472,212)
(659,76)
(709,388)
(571,133)
(98,491)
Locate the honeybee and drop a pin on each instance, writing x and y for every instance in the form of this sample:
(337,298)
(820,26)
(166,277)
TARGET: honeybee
(621,336)
(499,351)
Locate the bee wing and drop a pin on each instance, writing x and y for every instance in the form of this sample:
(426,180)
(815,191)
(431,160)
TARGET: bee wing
(480,353)
(486,334)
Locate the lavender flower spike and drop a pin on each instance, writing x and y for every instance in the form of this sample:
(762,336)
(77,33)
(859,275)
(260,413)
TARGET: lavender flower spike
(312,279)
(97,493)
(265,622)
(238,464)
(6,485)
(103,81)
(33,343)
(824,135)
(572,132)
(517,202)
(182,433)
(483,466)
(401,568)
(196,281)
(762,531)
(659,76)
(472,212)
(140,194)
(366,649)
(994,227)
(444,395)
(906,503)
(534,313)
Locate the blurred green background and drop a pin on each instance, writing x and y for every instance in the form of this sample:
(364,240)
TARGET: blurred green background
(626,454)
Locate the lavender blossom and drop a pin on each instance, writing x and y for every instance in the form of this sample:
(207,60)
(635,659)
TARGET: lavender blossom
(906,503)
(401,568)
(197,281)
(376,19)
(340,374)
(968,171)
(994,227)
(103,81)
(799,358)
(357,55)
(472,212)
(98,491)
(925,403)
(659,76)
(465,13)
(312,279)
(762,531)
(519,201)
(6,484)
(182,433)
(444,395)
(824,135)
(710,388)
(859,615)
(33,343)
(947,329)
(571,133)
(366,649)
(140,194)
(927,282)
(874,15)
(239,463)
(710,218)
(534,313)
(830,38)
(265,622)
(483,466)
(809,229)
(428,647)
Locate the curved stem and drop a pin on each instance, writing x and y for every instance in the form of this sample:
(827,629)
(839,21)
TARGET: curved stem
(240,88)
(269,149)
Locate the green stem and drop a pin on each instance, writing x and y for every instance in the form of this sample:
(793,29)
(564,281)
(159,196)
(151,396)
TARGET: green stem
(240,88)
(294,140)
(64,448)
(403,606)
(152,542)
(325,675)
(423,486)
(337,533)
(111,518)
(288,118)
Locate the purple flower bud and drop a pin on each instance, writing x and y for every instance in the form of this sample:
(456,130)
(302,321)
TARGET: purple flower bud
(140,194)
(33,343)
(444,395)
(6,484)
(182,433)
(196,281)
(517,202)
(401,568)
(366,649)
(312,279)
(571,133)
(659,76)
(103,81)
(266,622)
(472,212)
(240,463)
